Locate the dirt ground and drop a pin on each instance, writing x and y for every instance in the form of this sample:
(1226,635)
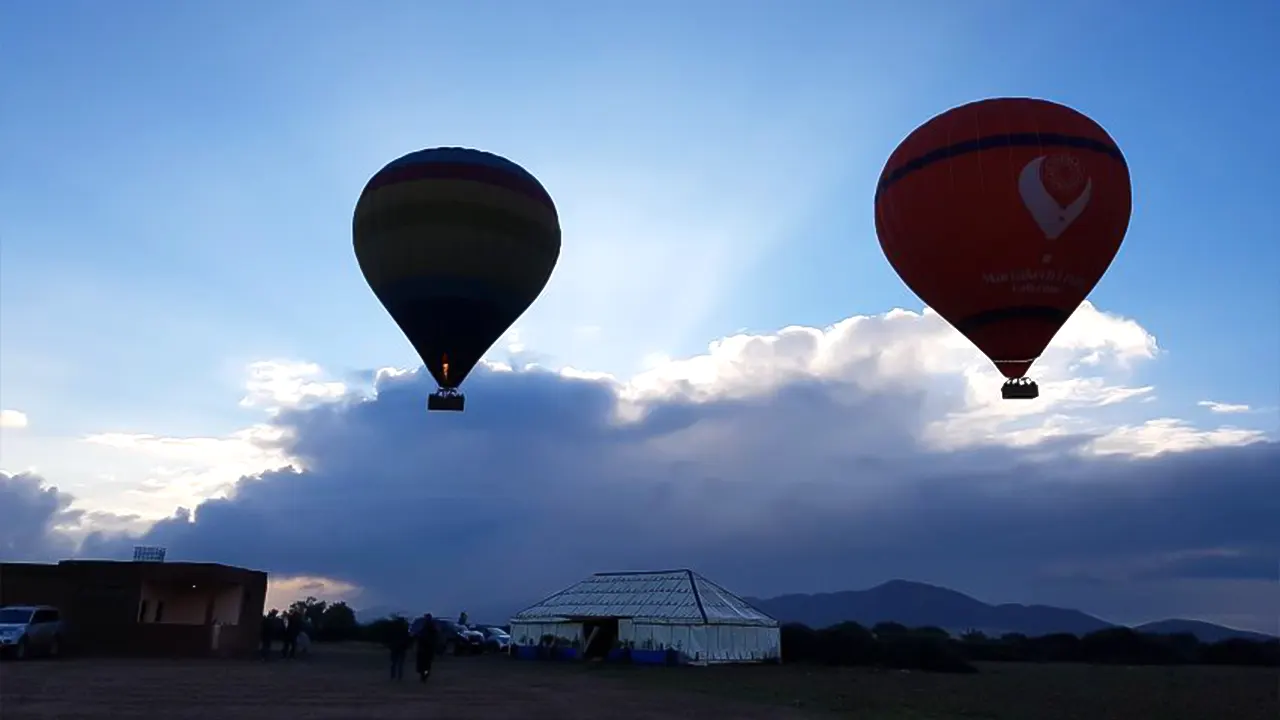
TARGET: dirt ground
(350,682)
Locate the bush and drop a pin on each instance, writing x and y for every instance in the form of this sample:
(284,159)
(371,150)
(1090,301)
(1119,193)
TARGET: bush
(931,649)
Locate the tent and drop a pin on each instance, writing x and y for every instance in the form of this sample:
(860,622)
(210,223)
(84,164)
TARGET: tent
(648,615)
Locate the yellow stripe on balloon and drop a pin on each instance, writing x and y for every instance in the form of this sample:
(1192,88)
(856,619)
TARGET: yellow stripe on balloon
(392,200)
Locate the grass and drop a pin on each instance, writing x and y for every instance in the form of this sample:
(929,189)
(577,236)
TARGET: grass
(349,681)
(1004,691)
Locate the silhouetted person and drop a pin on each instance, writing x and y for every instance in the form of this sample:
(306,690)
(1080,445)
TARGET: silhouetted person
(294,626)
(427,638)
(267,633)
(399,645)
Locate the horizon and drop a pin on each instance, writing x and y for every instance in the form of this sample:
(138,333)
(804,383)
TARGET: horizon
(724,372)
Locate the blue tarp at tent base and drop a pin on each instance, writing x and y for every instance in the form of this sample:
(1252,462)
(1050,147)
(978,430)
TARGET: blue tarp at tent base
(638,657)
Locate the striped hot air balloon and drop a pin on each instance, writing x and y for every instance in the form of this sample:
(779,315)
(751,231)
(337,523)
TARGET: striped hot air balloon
(456,244)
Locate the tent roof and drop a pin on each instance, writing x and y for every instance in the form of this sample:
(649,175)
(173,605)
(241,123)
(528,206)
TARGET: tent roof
(670,596)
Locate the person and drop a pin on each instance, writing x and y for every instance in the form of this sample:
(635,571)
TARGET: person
(267,633)
(399,643)
(427,638)
(303,643)
(291,630)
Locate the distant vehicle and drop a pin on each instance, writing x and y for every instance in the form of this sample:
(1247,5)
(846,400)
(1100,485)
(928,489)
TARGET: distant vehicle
(27,630)
(456,639)
(495,639)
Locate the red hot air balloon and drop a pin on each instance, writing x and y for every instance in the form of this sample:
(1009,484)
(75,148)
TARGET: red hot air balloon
(1002,215)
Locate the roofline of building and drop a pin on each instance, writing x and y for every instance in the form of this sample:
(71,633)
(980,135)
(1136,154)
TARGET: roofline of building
(641,619)
(689,574)
(642,572)
(177,566)
(151,563)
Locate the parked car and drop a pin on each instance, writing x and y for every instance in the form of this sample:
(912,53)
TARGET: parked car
(495,639)
(457,639)
(27,630)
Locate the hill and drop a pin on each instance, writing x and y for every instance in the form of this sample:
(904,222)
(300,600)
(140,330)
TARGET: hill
(918,604)
(1206,632)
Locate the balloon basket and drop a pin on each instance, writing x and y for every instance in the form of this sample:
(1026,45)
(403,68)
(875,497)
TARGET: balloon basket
(1020,389)
(445,400)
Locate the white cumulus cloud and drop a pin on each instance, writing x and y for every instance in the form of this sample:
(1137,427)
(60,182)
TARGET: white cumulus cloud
(877,447)
(13,419)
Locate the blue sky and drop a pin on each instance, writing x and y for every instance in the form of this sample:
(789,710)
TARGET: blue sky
(178,181)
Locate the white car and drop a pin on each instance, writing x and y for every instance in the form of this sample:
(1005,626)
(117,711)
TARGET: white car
(30,629)
(496,639)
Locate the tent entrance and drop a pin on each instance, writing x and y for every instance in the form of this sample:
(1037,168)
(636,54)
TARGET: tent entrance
(600,634)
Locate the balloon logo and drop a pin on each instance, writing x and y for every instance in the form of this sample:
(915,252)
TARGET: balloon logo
(1002,215)
(456,244)
(1046,185)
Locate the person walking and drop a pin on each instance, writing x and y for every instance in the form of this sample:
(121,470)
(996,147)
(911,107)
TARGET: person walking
(399,643)
(267,634)
(427,638)
(292,627)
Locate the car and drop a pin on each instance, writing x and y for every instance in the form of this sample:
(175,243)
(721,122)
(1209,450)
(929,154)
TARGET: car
(458,639)
(495,638)
(27,630)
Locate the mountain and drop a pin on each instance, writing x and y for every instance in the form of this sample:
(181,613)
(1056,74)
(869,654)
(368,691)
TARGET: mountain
(1206,632)
(918,604)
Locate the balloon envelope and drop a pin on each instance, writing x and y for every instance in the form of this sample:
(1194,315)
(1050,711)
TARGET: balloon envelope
(456,244)
(1002,215)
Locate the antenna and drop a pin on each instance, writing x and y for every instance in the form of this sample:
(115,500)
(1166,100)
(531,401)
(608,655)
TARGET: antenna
(148,553)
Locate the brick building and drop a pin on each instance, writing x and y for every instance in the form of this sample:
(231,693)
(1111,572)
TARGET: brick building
(144,608)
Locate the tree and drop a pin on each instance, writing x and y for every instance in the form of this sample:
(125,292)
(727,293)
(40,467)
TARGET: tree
(311,610)
(339,622)
(888,629)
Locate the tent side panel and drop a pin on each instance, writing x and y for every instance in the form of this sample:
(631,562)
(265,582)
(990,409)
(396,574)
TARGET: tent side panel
(526,634)
(742,644)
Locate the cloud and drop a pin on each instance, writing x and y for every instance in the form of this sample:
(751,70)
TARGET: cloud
(185,470)
(283,590)
(278,383)
(13,419)
(31,515)
(1218,407)
(803,460)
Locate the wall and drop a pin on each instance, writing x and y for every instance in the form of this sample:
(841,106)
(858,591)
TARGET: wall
(31,584)
(530,634)
(714,643)
(226,605)
(169,605)
(100,603)
(190,605)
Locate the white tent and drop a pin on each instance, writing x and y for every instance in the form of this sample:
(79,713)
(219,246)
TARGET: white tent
(651,613)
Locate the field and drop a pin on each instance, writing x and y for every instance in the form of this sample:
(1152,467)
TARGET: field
(350,682)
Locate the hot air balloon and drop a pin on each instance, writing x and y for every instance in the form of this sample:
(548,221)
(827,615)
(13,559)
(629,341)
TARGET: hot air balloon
(456,244)
(1002,215)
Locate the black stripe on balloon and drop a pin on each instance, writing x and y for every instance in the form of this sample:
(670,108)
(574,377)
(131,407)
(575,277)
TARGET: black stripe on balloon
(992,142)
(491,218)
(1041,313)
(524,185)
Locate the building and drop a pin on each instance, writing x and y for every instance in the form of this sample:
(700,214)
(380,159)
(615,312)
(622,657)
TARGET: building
(144,608)
(655,617)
